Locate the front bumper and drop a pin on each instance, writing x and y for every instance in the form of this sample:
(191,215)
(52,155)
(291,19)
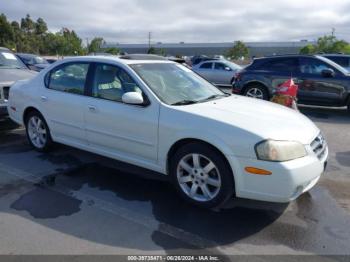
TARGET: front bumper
(288,179)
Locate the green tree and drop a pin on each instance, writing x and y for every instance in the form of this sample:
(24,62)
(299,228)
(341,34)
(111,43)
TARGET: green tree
(40,27)
(27,24)
(327,44)
(308,49)
(7,37)
(33,37)
(112,50)
(95,45)
(238,51)
(156,51)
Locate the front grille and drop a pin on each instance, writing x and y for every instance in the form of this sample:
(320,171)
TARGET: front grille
(6,91)
(319,146)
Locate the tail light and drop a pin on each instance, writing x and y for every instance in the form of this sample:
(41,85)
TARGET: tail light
(237,76)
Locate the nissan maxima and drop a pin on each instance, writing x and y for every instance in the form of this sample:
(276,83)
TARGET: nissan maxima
(162,116)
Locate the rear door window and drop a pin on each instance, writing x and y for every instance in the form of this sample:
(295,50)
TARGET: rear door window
(69,78)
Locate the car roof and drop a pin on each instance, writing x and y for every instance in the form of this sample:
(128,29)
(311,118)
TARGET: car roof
(142,57)
(113,59)
(335,55)
(283,56)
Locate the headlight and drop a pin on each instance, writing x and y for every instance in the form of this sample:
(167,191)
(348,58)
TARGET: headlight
(279,151)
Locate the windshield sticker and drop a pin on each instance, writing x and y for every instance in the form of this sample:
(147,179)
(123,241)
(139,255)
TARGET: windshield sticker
(9,56)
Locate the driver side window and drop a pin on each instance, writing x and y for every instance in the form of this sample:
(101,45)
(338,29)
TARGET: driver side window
(220,66)
(111,83)
(313,66)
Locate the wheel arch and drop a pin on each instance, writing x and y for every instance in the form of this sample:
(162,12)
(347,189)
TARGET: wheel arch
(28,110)
(184,141)
(258,83)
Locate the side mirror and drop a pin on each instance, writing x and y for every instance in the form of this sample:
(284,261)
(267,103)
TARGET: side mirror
(132,98)
(327,72)
(227,68)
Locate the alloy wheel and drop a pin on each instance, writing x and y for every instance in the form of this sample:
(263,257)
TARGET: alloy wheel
(37,132)
(198,177)
(255,93)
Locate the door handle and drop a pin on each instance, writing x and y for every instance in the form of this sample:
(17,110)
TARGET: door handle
(92,108)
(43,98)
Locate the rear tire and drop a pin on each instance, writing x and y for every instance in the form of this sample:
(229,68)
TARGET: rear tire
(201,175)
(256,91)
(38,132)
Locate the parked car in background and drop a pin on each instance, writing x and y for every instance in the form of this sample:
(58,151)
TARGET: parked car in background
(340,59)
(162,116)
(218,72)
(11,70)
(51,60)
(200,58)
(33,62)
(321,81)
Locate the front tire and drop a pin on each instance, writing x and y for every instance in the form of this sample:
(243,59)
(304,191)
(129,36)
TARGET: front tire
(38,132)
(201,175)
(256,91)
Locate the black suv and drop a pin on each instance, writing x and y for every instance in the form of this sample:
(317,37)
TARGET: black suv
(321,81)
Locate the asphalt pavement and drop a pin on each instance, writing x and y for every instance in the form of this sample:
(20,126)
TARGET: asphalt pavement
(73,202)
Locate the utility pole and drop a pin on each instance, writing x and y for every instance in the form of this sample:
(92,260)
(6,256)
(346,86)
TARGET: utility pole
(149,39)
(333,32)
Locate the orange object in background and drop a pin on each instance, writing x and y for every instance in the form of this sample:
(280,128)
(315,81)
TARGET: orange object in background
(286,94)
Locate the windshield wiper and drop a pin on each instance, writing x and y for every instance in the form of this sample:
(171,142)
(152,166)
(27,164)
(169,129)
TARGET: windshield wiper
(184,102)
(213,97)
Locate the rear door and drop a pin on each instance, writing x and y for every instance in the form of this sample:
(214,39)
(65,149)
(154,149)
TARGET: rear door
(278,70)
(314,88)
(62,101)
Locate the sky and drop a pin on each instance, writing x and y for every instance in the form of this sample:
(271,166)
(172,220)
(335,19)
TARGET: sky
(173,21)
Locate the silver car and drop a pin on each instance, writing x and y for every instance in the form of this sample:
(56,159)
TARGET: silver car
(218,72)
(11,70)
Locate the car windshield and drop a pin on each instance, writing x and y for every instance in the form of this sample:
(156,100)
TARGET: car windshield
(9,60)
(175,84)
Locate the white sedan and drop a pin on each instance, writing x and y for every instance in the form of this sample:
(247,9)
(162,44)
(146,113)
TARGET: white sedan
(161,116)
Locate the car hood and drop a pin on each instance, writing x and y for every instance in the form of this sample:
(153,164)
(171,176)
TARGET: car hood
(264,119)
(11,75)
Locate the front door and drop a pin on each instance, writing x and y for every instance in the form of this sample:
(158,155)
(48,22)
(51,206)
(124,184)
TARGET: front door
(315,88)
(127,132)
(222,74)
